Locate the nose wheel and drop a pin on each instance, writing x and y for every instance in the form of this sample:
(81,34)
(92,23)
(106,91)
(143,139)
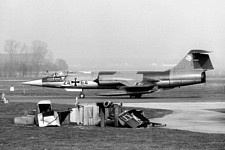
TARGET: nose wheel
(81,95)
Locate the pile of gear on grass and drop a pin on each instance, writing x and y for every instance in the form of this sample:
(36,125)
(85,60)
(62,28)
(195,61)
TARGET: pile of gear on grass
(43,116)
(83,114)
(4,99)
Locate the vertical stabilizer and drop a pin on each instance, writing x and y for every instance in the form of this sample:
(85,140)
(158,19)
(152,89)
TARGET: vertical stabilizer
(195,59)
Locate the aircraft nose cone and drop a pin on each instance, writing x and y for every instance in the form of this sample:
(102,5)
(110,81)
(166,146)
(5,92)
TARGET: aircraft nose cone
(34,82)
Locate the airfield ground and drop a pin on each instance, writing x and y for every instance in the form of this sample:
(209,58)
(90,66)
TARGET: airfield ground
(91,137)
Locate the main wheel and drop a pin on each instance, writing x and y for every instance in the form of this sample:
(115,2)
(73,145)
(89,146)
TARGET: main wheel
(81,95)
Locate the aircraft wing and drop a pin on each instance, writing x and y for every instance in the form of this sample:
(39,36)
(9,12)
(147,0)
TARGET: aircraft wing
(140,88)
(132,87)
(135,84)
(120,93)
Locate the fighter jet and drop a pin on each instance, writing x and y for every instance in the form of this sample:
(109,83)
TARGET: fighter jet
(190,70)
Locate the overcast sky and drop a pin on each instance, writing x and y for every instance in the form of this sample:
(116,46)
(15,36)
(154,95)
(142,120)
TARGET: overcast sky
(109,34)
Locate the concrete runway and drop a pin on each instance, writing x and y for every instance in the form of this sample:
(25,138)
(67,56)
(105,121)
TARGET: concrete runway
(192,114)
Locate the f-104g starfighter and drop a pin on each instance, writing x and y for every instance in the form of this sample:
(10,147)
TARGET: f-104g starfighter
(190,70)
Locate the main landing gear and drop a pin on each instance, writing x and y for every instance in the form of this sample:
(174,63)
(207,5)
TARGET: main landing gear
(81,95)
(136,96)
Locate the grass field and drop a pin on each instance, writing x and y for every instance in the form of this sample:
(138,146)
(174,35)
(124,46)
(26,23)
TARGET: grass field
(93,137)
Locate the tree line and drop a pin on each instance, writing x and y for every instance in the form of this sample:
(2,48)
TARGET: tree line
(22,60)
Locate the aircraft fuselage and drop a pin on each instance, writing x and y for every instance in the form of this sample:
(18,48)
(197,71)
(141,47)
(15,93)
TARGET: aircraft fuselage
(113,79)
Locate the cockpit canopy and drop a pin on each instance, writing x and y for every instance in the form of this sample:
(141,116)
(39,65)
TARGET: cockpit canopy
(59,74)
(56,77)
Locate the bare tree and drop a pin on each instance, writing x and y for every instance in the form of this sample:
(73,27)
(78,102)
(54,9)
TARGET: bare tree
(24,49)
(24,60)
(23,64)
(39,50)
(11,47)
(61,64)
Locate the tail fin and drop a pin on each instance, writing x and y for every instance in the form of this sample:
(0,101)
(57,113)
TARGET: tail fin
(195,59)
